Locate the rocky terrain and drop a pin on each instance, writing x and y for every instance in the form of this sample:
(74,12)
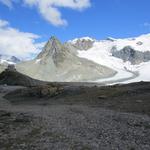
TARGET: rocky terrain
(75,116)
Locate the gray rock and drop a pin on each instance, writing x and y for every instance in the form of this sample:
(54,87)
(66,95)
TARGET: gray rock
(139,43)
(132,55)
(83,44)
(110,39)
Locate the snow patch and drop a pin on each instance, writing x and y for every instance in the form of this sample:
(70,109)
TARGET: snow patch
(2,61)
(37,61)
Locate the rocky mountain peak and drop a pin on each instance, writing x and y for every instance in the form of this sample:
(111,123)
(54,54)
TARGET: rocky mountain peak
(52,47)
(54,40)
(84,43)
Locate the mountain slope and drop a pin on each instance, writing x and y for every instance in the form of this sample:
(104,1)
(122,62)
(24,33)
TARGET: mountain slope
(126,56)
(57,62)
(12,77)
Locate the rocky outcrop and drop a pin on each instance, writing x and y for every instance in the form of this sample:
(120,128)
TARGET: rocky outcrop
(110,39)
(131,55)
(83,44)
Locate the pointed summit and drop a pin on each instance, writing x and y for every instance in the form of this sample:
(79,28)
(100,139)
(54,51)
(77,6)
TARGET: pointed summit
(54,40)
(52,47)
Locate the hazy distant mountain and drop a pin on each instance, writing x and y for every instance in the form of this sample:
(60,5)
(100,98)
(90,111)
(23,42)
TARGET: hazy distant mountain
(9,59)
(59,62)
(5,60)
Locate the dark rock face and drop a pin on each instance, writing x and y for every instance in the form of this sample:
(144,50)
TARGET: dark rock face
(132,55)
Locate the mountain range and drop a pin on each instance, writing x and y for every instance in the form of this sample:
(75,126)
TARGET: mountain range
(89,60)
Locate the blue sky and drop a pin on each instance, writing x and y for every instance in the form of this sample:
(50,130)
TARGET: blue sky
(94,18)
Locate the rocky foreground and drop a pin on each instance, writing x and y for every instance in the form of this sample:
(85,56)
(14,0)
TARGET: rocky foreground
(74,117)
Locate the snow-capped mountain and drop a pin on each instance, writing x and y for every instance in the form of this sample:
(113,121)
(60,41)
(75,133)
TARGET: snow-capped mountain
(106,61)
(129,57)
(59,62)
(9,59)
(5,60)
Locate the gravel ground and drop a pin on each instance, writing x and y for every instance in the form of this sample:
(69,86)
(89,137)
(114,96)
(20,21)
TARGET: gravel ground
(75,126)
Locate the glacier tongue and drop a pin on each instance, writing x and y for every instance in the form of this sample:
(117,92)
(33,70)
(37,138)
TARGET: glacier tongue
(101,53)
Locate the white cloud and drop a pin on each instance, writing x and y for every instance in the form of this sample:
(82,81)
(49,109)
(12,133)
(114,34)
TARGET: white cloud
(3,23)
(8,3)
(17,43)
(49,9)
